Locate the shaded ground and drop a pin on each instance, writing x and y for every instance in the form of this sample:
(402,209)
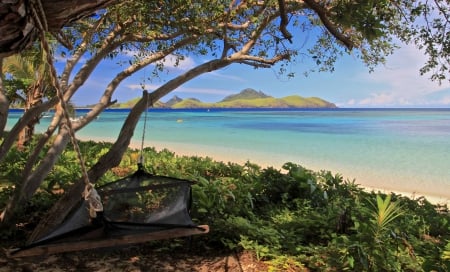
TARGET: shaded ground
(136,259)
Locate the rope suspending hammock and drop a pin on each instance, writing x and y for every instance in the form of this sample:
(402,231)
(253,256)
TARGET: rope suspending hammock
(138,208)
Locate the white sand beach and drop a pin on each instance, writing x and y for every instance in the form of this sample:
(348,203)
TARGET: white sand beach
(367,180)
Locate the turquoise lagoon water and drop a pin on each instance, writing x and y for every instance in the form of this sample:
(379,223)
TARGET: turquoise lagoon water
(406,150)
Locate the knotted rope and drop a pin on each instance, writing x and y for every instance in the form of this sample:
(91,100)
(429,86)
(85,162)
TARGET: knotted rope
(90,194)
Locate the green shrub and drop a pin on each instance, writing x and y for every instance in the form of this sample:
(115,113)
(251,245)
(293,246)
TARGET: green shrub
(292,218)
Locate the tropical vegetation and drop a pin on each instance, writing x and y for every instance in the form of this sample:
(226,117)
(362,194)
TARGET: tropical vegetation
(262,34)
(27,85)
(293,219)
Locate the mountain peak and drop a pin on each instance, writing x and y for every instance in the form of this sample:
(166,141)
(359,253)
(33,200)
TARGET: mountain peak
(248,93)
(247,98)
(174,100)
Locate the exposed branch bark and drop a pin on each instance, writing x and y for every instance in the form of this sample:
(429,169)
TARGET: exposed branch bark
(70,63)
(322,13)
(18,27)
(4,103)
(27,116)
(258,62)
(284,21)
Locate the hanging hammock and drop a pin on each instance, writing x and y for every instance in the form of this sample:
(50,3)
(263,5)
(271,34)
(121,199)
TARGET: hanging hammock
(139,208)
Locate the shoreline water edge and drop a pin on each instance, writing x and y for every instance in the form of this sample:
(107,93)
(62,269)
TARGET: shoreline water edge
(405,151)
(276,161)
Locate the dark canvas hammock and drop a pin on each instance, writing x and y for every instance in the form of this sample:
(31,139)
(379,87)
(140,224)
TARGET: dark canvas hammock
(138,208)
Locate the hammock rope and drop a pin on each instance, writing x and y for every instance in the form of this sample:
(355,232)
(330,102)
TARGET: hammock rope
(90,194)
(141,156)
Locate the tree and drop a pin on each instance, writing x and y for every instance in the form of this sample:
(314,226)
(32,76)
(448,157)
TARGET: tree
(20,20)
(4,103)
(228,32)
(29,74)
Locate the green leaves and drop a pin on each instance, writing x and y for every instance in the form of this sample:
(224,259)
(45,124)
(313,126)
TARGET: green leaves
(446,252)
(383,213)
(293,219)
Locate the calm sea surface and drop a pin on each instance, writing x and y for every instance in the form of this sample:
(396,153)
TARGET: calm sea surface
(405,150)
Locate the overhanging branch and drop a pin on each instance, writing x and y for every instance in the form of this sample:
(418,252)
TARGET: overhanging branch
(258,62)
(323,15)
(284,21)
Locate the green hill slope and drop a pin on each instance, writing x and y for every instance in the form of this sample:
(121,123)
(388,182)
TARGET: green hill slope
(245,94)
(191,103)
(247,98)
(296,101)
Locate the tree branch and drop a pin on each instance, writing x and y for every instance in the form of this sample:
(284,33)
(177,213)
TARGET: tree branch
(258,62)
(19,30)
(323,15)
(284,21)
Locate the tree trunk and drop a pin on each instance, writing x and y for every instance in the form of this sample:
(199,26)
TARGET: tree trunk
(14,132)
(19,29)
(111,159)
(34,98)
(4,104)
(28,187)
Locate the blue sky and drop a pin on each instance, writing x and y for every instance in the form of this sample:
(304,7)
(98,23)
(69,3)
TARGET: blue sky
(396,84)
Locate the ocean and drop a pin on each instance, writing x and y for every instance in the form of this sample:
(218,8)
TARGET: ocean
(402,150)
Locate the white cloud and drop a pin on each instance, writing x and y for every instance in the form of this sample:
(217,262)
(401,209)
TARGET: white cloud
(378,99)
(445,100)
(225,76)
(402,85)
(170,62)
(189,90)
(204,91)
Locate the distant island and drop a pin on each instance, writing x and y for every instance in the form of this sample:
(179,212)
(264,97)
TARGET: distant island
(247,98)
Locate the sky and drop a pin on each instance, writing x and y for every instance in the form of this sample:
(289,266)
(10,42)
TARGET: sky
(395,84)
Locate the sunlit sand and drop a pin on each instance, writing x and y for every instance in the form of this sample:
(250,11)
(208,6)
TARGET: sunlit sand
(368,180)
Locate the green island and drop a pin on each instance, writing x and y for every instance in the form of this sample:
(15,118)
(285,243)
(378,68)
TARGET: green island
(247,98)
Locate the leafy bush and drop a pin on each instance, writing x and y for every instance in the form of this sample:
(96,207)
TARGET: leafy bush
(293,218)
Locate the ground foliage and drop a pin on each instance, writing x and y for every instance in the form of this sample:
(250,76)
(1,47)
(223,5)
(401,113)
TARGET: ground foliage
(292,219)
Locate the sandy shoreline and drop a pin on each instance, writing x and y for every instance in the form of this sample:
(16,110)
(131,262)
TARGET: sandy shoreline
(218,153)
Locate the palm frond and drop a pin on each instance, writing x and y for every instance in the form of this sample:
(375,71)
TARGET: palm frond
(385,211)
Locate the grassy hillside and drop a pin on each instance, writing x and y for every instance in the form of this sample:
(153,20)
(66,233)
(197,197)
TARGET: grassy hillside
(130,103)
(191,104)
(246,94)
(248,98)
(268,102)
(310,102)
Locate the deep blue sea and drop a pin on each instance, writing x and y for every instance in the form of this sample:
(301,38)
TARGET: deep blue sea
(406,150)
